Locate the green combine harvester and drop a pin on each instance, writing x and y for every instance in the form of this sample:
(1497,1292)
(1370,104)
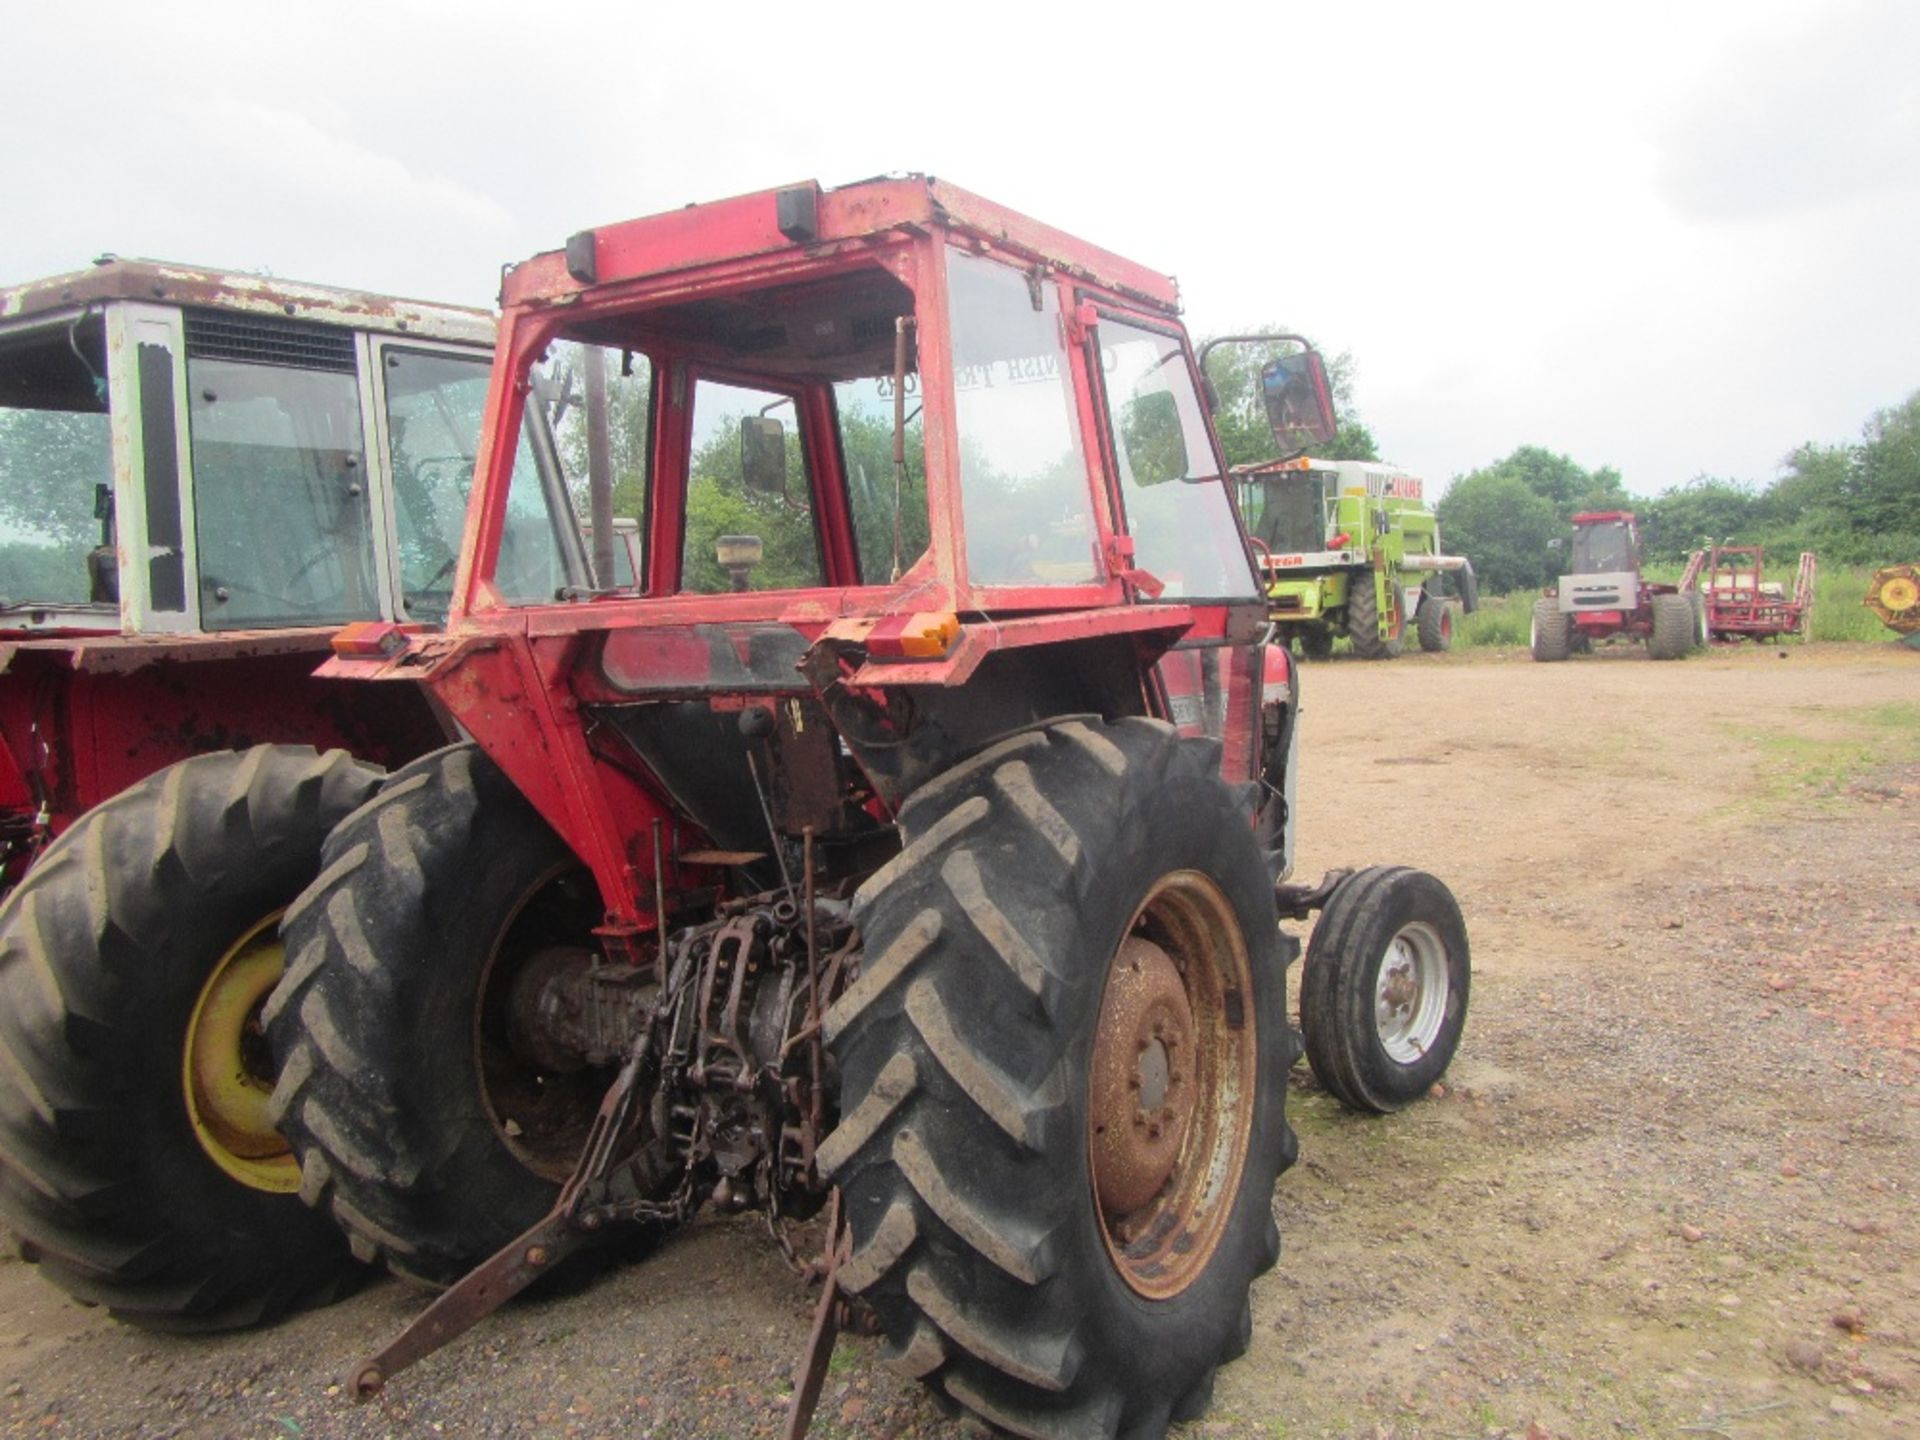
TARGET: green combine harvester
(1350,547)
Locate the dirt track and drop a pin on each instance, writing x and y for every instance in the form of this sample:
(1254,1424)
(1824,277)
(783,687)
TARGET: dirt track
(1673,1186)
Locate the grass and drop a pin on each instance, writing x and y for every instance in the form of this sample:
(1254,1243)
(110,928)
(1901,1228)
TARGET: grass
(1503,621)
(1801,767)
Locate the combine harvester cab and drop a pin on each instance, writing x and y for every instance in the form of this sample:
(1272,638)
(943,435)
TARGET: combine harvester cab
(203,475)
(1350,548)
(899,847)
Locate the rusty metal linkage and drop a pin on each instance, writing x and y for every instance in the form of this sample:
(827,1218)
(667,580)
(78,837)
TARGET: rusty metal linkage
(1297,902)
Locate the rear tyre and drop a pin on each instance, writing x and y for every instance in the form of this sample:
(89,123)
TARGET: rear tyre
(419,1129)
(1363,621)
(1383,995)
(138,1161)
(1436,625)
(1552,635)
(1673,627)
(1063,1085)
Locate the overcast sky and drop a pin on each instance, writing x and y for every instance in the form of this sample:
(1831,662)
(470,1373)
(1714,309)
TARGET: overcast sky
(1676,238)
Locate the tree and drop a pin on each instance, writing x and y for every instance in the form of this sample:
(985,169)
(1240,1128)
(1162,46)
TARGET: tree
(1705,509)
(1494,518)
(1557,479)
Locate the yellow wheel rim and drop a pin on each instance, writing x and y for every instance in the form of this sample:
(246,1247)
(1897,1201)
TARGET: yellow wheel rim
(1899,593)
(225,1072)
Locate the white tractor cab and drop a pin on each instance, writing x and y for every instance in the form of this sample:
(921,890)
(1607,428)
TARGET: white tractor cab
(185,450)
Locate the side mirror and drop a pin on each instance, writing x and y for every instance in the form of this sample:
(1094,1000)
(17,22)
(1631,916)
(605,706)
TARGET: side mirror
(1299,401)
(763,454)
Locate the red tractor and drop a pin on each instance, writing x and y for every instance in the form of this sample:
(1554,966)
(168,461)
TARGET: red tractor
(905,844)
(1606,595)
(202,475)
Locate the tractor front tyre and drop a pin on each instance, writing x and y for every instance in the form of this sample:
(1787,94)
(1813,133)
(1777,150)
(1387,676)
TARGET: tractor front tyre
(1316,642)
(1383,994)
(1063,1082)
(420,1127)
(1363,622)
(1673,627)
(1552,634)
(1436,625)
(1697,603)
(139,1164)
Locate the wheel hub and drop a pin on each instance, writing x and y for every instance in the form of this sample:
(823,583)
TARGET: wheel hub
(1143,1091)
(1410,995)
(226,1071)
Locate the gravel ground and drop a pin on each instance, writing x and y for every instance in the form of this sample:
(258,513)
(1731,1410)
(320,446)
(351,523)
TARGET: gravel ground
(1669,1187)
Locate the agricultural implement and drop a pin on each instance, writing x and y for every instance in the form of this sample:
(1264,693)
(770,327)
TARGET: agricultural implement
(202,475)
(1740,603)
(1349,548)
(1606,596)
(906,846)
(1894,595)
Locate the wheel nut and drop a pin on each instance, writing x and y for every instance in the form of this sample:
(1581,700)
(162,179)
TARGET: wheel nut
(536,1256)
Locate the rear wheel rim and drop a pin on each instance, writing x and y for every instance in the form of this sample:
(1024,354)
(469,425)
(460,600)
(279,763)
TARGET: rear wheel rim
(1410,992)
(541,1115)
(226,1073)
(1172,1087)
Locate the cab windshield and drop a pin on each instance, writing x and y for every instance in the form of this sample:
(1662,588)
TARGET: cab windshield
(1286,512)
(721,432)
(1602,549)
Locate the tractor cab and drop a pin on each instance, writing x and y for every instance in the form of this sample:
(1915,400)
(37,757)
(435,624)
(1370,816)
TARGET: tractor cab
(887,451)
(187,451)
(1605,561)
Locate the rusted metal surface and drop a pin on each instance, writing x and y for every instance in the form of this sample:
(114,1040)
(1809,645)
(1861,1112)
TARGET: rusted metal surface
(723,1054)
(1297,902)
(747,225)
(1143,1092)
(1180,1070)
(811,1374)
(168,283)
(123,654)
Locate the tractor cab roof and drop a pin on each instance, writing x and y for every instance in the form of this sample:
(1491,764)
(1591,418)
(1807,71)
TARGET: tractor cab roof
(1603,517)
(809,219)
(164,282)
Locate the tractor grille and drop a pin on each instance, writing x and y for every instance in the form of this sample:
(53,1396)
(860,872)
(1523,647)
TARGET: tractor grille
(263,340)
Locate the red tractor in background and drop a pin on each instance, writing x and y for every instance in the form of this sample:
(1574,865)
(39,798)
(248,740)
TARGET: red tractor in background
(203,474)
(903,841)
(1606,595)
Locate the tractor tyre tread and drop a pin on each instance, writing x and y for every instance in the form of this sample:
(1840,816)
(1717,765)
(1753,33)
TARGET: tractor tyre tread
(961,1070)
(1435,625)
(425,1195)
(1363,620)
(1673,627)
(105,946)
(1337,986)
(1552,637)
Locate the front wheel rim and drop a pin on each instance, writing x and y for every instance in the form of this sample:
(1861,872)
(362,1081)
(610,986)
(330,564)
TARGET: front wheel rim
(226,1072)
(1410,993)
(1172,1086)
